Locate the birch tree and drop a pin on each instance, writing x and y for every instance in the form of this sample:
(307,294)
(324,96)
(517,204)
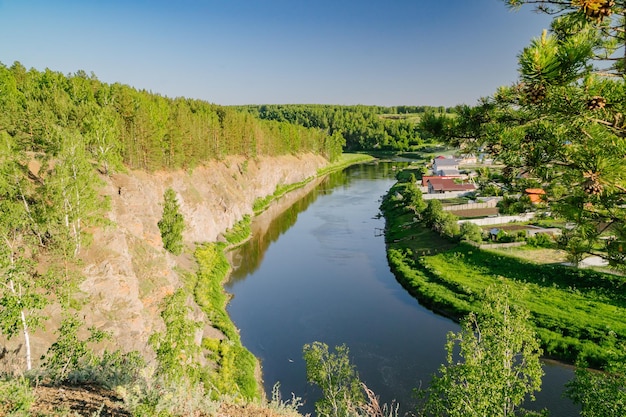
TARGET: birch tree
(22,293)
(497,366)
(72,193)
(337,378)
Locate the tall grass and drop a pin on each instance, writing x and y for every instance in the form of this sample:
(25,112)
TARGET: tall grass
(237,365)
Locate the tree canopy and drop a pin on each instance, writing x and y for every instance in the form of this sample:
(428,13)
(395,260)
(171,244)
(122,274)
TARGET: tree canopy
(363,127)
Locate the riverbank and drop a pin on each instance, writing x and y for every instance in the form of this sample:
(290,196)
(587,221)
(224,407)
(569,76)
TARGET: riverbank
(243,370)
(345,160)
(578,314)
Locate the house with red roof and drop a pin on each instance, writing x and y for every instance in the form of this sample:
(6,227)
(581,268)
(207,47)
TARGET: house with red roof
(440,185)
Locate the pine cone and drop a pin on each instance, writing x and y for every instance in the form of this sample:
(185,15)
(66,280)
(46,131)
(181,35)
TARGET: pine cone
(596,9)
(535,93)
(596,102)
(592,183)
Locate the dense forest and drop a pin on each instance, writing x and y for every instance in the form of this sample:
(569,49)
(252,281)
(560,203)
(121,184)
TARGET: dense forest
(119,124)
(363,127)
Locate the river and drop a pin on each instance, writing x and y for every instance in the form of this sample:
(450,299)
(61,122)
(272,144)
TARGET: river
(318,272)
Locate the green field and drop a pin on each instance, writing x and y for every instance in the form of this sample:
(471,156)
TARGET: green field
(578,313)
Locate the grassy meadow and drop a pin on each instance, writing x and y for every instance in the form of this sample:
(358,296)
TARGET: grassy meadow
(578,313)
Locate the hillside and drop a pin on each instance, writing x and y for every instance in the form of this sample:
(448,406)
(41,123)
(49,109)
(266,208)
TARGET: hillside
(127,271)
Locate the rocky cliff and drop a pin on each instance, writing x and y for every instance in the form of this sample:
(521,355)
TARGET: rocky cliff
(127,271)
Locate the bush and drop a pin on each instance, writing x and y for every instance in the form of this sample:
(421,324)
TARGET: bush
(16,397)
(70,354)
(471,232)
(541,240)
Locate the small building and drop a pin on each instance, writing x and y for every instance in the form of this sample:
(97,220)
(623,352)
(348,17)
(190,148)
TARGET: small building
(444,185)
(425,178)
(536,195)
(445,163)
(450,173)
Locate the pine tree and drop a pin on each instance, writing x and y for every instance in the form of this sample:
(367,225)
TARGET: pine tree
(563,123)
(171,224)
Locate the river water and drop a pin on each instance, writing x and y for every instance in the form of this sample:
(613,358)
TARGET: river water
(318,272)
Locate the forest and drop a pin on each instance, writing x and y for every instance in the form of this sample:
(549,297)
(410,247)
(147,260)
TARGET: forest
(60,135)
(364,128)
(142,130)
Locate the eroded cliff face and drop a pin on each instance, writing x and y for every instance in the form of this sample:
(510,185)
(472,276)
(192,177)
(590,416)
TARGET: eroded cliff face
(127,271)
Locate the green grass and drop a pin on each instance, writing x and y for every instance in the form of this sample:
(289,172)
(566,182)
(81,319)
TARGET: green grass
(236,365)
(239,233)
(577,312)
(346,159)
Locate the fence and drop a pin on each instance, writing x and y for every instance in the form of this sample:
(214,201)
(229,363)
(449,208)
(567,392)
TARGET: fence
(501,245)
(471,206)
(443,196)
(485,221)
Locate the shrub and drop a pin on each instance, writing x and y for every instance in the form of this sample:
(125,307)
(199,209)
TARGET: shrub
(540,240)
(16,397)
(471,232)
(70,354)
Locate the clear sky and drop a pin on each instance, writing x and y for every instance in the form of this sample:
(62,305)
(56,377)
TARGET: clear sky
(393,52)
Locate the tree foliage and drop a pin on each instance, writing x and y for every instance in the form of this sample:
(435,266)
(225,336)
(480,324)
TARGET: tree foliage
(497,367)
(471,232)
(172,223)
(563,124)
(118,124)
(363,127)
(336,376)
(176,350)
(600,394)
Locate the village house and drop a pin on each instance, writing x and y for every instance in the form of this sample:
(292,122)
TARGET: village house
(445,164)
(444,185)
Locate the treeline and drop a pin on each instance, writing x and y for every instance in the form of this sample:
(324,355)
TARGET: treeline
(119,124)
(363,127)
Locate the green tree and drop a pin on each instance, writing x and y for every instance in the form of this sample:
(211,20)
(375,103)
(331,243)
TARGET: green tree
(72,191)
(102,134)
(413,195)
(498,363)
(600,393)
(471,232)
(172,223)
(176,350)
(337,378)
(563,121)
(22,290)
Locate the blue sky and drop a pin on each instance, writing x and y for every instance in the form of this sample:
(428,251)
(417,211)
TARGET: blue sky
(395,52)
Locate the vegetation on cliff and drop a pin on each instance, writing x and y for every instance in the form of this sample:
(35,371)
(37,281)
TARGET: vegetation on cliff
(59,136)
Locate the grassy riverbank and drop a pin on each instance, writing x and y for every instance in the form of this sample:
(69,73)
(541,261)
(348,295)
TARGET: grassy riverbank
(577,312)
(238,369)
(343,161)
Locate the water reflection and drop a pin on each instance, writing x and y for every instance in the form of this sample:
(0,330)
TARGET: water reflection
(269,226)
(318,272)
